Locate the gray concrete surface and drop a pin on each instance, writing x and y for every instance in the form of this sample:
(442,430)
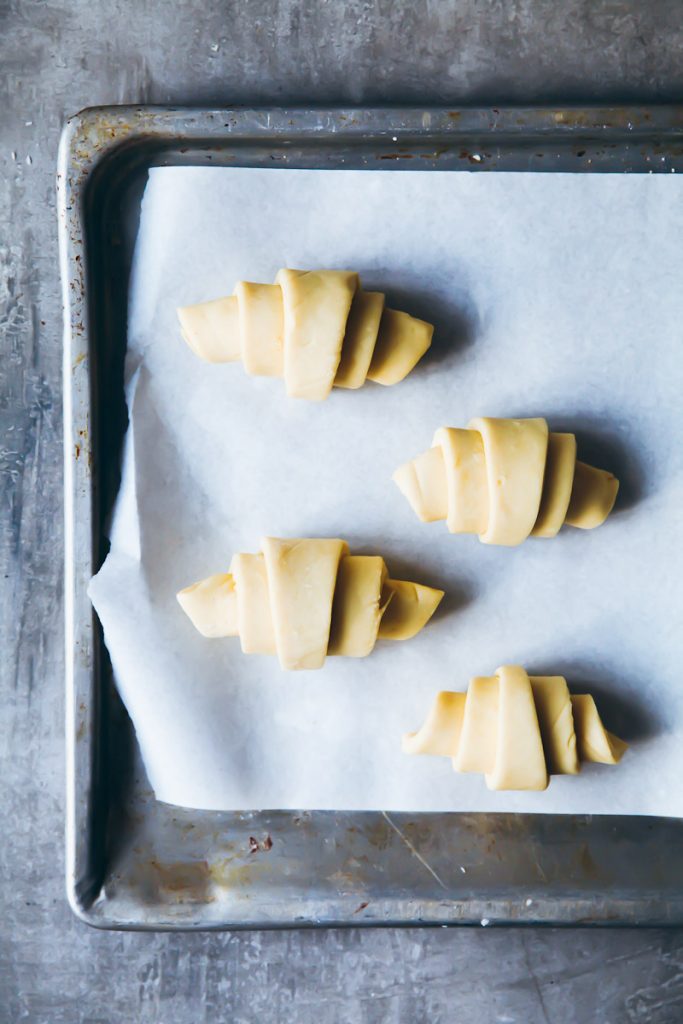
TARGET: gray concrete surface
(57,57)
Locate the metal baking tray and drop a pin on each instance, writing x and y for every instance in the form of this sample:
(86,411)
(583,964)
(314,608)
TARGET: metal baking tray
(135,863)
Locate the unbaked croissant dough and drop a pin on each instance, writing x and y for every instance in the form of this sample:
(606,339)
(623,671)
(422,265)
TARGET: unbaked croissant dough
(305,599)
(506,479)
(315,328)
(516,729)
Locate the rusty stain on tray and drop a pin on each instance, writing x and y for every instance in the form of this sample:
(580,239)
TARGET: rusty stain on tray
(174,882)
(377,834)
(225,874)
(587,865)
(264,845)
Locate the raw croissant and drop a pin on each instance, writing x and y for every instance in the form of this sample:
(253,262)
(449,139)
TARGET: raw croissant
(304,599)
(516,729)
(315,328)
(506,480)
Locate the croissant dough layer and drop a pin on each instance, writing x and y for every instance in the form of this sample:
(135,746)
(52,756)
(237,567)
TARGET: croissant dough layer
(516,729)
(315,328)
(303,599)
(506,480)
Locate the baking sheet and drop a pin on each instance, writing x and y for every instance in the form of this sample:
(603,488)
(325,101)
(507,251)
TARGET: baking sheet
(556,295)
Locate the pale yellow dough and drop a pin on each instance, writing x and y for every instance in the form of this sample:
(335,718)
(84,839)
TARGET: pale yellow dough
(506,480)
(212,329)
(211,603)
(516,730)
(303,599)
(315,328)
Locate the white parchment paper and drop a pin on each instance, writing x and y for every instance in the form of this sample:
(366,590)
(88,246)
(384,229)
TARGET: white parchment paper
(554,295)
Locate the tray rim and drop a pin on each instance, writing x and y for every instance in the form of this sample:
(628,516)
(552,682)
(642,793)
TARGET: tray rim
(91,139)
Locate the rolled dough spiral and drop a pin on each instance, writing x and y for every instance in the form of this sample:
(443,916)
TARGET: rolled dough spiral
(304,599)
(516,729)
(506,480)
(315,328)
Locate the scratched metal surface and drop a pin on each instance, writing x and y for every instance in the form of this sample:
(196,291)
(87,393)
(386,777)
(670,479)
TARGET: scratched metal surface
(57,59)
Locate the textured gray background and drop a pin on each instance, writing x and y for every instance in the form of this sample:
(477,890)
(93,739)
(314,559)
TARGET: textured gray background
(56,58)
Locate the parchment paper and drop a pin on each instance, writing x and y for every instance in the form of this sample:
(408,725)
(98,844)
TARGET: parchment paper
(554,295)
